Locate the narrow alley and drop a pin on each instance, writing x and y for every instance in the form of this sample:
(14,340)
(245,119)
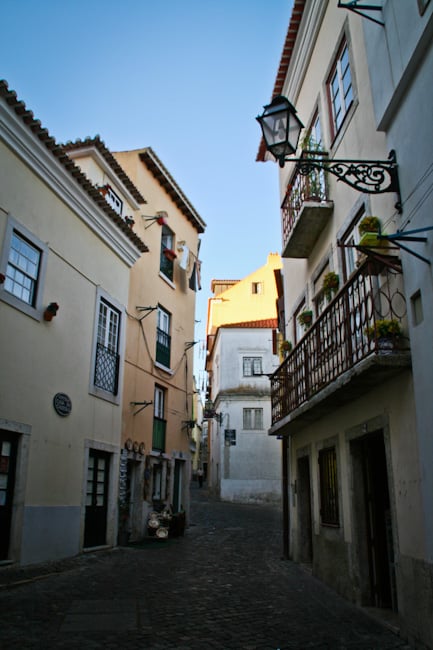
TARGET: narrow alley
(223,585)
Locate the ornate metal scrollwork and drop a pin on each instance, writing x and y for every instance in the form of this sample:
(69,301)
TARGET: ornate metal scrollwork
(369,176)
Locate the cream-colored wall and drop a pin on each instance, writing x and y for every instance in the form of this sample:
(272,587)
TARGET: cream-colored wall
(41,358)
(393,404)
(238,304)
(358,140)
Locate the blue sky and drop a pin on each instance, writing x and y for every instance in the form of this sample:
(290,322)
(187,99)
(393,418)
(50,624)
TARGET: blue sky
(184,77)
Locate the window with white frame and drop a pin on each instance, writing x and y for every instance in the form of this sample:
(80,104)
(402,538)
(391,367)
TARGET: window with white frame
(349,241)
(163,338)
(252,418)
(340,88)
(167,252)
(22,266)
(252,366)
(107,348)
(114,200)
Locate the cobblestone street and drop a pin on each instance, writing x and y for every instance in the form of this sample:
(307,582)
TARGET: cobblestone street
(223,585)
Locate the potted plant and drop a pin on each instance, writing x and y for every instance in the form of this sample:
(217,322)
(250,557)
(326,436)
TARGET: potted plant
(331,282)
(170,254)
(369,228)
(286,347)
(386,332)
(305,318)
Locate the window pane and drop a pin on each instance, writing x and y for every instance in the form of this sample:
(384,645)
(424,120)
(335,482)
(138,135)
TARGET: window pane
(22,269)
(247,419)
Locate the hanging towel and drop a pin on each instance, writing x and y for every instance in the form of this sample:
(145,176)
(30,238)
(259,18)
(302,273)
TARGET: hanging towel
(185,258)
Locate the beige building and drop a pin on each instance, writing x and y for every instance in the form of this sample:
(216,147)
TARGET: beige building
(65,260)
(344,403)
(158,394)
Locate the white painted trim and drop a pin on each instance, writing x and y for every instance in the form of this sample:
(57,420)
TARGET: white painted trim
(42,162)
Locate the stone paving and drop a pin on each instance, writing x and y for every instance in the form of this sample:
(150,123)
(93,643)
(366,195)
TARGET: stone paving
(221,586)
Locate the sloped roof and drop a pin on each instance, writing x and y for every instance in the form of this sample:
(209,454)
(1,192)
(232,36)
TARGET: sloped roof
(289,43)
(58,151)
(110,160)
(253,324)
(164,178)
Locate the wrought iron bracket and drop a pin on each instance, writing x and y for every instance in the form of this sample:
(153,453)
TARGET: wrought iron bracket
(355,6)
(369,176)
(142,404)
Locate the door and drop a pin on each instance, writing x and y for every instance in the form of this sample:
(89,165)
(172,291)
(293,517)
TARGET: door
(373,522)
(177,486)
(95,527)
(8,454)
(305,529)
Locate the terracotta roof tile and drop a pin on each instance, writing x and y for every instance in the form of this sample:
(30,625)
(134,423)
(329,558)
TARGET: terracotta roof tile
(162,175)
(254,324)
(110,159)
(59,152)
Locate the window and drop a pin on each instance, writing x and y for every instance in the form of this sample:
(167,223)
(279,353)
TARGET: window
(321,300)
(23,265)
(340,88)
(256,287)
(163,338)
(253,419)
(349,240)
(107,348)
(328,487)
(159,423)
(252,366)
(299,328)
(114,200)
(166,256)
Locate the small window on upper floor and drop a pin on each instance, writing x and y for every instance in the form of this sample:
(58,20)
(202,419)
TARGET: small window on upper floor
(114,200)
(22,266)
(256,287)
(252,366)
(168,254)
(340,89)
(349,242)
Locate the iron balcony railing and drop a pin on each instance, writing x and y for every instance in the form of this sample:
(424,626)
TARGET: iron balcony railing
(106,369)
(339,339)
(302,188)
(158,436)
(163,346)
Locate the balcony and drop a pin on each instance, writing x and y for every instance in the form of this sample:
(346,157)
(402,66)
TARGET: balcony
(306,210)
(338,359)
(158,435)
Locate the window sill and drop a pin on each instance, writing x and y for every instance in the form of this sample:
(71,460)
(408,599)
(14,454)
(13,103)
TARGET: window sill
(169,371)
(167,280)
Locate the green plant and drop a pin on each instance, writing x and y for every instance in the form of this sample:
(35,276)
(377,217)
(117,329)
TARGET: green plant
(369,224)
(286,346)
(331,282)
(383,329)
(305,318)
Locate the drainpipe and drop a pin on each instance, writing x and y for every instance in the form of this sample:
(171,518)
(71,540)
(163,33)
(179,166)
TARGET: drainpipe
(285,487)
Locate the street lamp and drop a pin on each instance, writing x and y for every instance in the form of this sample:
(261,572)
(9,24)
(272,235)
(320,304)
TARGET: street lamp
(281,129)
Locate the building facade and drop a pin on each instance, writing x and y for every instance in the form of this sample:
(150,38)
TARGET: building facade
(355,415)
(158,390)
(65,262)
(244,465)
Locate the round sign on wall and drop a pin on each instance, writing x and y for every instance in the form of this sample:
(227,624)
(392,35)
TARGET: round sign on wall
(62,404)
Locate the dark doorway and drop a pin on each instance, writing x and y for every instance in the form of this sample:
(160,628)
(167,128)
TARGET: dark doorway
(374,526)
(8,455)
(177,486)
(305,531)
(95,528)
